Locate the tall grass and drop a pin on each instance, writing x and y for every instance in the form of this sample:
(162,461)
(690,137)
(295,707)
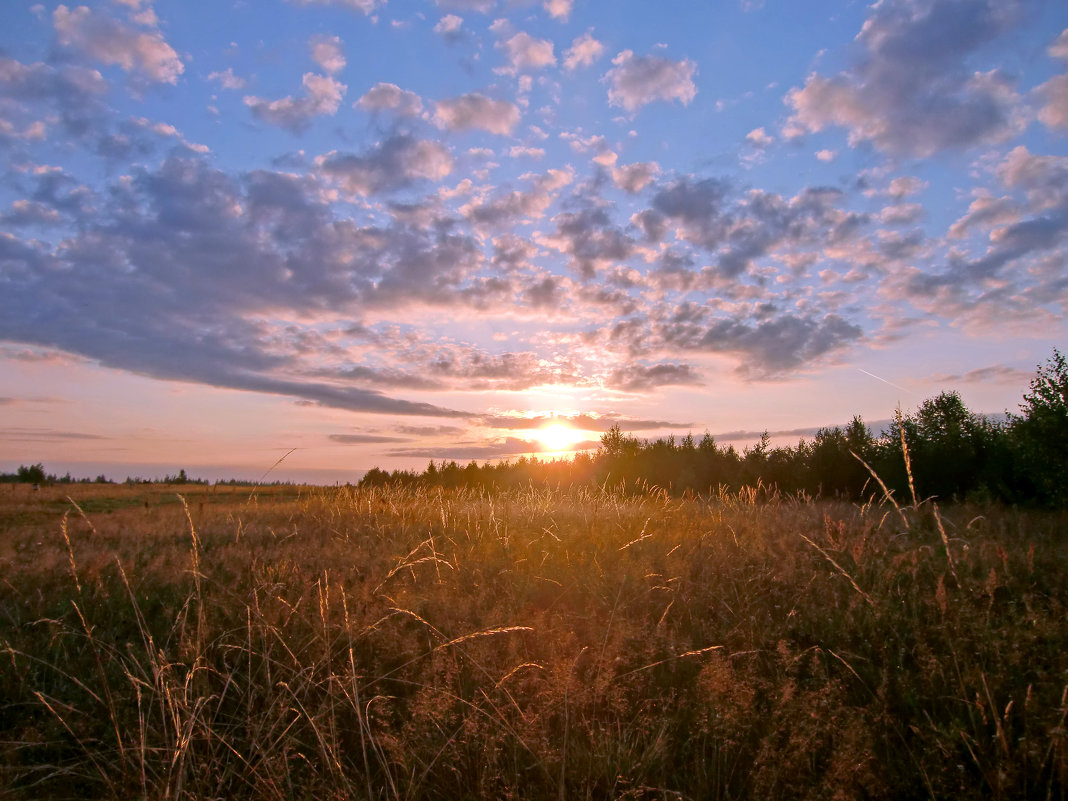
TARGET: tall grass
(404,644)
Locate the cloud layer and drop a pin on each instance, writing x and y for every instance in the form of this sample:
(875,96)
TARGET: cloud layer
(459,209)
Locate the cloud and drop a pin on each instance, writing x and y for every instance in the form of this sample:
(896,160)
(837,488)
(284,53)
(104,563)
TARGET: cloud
(591,239)
(322,96)
(509,446)
(476,111)
(633,178)
(1007,278)
(559,9)
(430,431)
(390,96)
(469,368)
(765,347)
(363,439)
(141,15)
(997,374)
(478,6)
(583,52)
(905,186)
(985,211)
(23,213)
(45,435)
(227,79)
(519,151)
(759,138)
(450,27)
(635,81)
(181,275)
(519,421)
(327,52)
(527,53)
(389,165)
(751,434)
(743,231)
(510,207)
(641,378)
(826,155)
(386,377)
(1054,113)
(110,41)
(911,91)
(366,6)
(902,214)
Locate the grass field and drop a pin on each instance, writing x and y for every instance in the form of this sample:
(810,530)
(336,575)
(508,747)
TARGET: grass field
(291,643)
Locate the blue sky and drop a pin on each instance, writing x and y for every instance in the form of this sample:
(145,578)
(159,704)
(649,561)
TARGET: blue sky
(375,233)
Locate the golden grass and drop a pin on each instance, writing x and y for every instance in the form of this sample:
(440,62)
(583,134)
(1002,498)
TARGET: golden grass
(366,644)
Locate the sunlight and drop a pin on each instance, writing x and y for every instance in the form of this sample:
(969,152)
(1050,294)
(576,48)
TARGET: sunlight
(558,437)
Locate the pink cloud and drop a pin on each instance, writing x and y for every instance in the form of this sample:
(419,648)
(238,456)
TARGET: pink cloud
(638,80)
(110,41)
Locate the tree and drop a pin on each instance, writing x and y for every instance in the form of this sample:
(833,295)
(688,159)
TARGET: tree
(34,474)
(948,452)
(1041,435)
(615,443)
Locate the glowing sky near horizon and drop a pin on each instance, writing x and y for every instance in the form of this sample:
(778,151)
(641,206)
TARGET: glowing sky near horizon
(383,231)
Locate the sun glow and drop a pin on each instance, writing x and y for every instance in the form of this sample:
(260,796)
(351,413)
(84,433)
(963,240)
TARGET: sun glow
(559,437)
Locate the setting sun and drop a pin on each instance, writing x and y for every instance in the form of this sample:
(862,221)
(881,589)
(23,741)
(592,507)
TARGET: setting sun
(559,437)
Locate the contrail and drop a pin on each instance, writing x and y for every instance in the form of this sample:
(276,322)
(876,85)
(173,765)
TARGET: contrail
(891,383)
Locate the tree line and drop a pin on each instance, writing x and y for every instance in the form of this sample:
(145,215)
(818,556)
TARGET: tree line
(941,450)
(36,474)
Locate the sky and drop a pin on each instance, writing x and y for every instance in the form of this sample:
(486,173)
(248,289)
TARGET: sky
(297,239)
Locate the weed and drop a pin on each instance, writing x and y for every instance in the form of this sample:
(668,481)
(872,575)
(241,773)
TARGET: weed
(388,643)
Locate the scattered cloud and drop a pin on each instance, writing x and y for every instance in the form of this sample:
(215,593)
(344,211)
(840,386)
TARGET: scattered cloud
(478,112)
(363,439)
(105,39)
(912,91)
(591,239)
(759,138)
(520,151)
(633,178)
(584,51)
(404,249)
(765,348)
(999,374)
(1054,111)
(642,378)
(390,165)
(328,53)
(518,421)
(322,96)
(500,449)
(389,96)
(227,79)
(430,431)
(450,27)
(559,9)
(477,6)
(635,81)
(525,53)
(45,435)
(365,6)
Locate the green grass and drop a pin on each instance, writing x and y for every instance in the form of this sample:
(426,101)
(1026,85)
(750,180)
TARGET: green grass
(577,644)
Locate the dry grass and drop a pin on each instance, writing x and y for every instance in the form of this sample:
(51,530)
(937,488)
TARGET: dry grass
(386,644)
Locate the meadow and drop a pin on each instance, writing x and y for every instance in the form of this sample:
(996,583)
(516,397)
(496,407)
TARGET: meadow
(575,643)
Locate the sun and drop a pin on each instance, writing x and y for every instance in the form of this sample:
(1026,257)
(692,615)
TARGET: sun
(558,437)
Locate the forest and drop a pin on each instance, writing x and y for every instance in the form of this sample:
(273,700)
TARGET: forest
(941,450)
